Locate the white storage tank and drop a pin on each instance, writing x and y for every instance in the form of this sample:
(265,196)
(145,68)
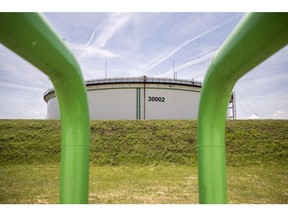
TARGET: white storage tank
(136,98)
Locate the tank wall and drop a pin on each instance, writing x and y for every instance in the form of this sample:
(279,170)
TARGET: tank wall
(53,111)
(112,104)
(128,103)
(170,104)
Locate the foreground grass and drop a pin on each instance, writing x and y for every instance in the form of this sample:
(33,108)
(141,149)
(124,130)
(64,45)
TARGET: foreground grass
(29,183)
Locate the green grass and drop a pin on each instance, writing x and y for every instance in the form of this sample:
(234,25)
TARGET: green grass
(144,161)
(259,184)
(144,142)
(142,184)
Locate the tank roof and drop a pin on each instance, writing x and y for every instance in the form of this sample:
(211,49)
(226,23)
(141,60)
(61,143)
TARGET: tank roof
(140,80)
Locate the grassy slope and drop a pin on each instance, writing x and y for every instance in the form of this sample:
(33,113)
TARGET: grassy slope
(156,161)
(144,142)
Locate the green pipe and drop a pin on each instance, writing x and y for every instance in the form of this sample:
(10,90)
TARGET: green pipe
(32,38)
(255,38)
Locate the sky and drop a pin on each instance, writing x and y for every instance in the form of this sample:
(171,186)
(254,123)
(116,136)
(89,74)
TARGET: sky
(138,44)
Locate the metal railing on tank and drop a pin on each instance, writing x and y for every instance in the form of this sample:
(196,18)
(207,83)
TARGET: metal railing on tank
(120,80)
(142,79)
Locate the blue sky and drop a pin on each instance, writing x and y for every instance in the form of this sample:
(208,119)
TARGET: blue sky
(137,44)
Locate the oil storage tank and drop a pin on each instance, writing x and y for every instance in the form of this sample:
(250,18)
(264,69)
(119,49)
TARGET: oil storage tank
(136,98)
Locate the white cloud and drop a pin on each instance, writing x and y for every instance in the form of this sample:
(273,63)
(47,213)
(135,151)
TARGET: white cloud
(156,61)
(97,41)
(82,51)
(278,113)
(190,63)
(253,116)
(22,87)
(110,26)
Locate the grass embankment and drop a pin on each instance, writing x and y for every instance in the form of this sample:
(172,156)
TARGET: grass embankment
(144,161)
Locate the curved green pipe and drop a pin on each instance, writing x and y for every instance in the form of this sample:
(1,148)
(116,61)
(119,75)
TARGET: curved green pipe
(256,37)
(32,38)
